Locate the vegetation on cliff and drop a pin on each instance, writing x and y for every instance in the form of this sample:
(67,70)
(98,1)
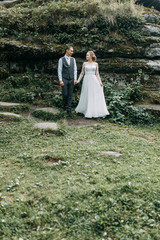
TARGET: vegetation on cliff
(83,23)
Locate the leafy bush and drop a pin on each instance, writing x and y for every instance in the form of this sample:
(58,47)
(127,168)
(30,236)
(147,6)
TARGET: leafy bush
(18,95)
(120,104)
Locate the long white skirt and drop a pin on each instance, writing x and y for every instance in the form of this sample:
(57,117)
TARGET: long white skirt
(92,102)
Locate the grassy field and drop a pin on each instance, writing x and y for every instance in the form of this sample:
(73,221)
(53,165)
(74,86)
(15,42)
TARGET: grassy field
(87,194)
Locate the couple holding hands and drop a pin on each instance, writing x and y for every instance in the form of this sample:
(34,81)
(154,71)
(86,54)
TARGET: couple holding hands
(92,102)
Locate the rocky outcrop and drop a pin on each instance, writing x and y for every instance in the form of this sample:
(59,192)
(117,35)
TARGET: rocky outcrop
(118,63)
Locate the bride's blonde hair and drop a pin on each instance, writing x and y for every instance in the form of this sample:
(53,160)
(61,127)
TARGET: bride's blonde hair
(92,54)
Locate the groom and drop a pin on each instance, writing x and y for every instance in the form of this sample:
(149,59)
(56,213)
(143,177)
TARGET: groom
(67,74)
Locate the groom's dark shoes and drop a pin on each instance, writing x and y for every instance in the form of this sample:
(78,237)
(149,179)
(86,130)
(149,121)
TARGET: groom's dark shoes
(68,111)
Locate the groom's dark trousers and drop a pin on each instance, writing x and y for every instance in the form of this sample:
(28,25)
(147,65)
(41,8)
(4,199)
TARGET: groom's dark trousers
(68,79)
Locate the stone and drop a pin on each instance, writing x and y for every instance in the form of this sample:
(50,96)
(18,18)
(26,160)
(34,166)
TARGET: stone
(151,29)
(154,64)
(46,126)
(49,110)
(10,3)
(10,114)
(153,50)
(155,107)
(150,18)
(8,104)
(116,154)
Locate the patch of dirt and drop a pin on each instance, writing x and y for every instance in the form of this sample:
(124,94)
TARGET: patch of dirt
(28,114)
(52,160)
(9,198)
(82,122)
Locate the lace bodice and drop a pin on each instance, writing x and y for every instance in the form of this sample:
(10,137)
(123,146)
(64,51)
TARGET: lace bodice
(90,68)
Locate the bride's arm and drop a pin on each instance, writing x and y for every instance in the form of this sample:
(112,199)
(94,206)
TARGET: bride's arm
(98,76)
(82,73)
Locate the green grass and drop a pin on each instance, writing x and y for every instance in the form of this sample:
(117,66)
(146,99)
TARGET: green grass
(85,196)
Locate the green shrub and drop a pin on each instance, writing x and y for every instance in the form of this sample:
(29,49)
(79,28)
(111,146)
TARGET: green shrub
(18,95)
(120,104)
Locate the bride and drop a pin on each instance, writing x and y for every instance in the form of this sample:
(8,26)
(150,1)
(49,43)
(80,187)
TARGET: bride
(92,102)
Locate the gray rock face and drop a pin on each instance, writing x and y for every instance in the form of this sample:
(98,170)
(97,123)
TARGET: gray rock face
(154,19)
(151,29)
(150,82)
(153,50)
(154,65)
(151,107)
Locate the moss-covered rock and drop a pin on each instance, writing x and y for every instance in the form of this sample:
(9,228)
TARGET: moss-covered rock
(151,97)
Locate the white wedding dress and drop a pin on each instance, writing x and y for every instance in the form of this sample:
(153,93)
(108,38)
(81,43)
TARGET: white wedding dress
(92,102)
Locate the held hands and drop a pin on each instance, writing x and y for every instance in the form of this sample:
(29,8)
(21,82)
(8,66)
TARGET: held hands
(101,84)
(61,83)
(75,82)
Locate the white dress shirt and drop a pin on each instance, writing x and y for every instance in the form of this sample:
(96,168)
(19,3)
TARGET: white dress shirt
(68,59)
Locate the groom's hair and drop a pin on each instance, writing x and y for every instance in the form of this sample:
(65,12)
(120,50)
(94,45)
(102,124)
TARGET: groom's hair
(67,48)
